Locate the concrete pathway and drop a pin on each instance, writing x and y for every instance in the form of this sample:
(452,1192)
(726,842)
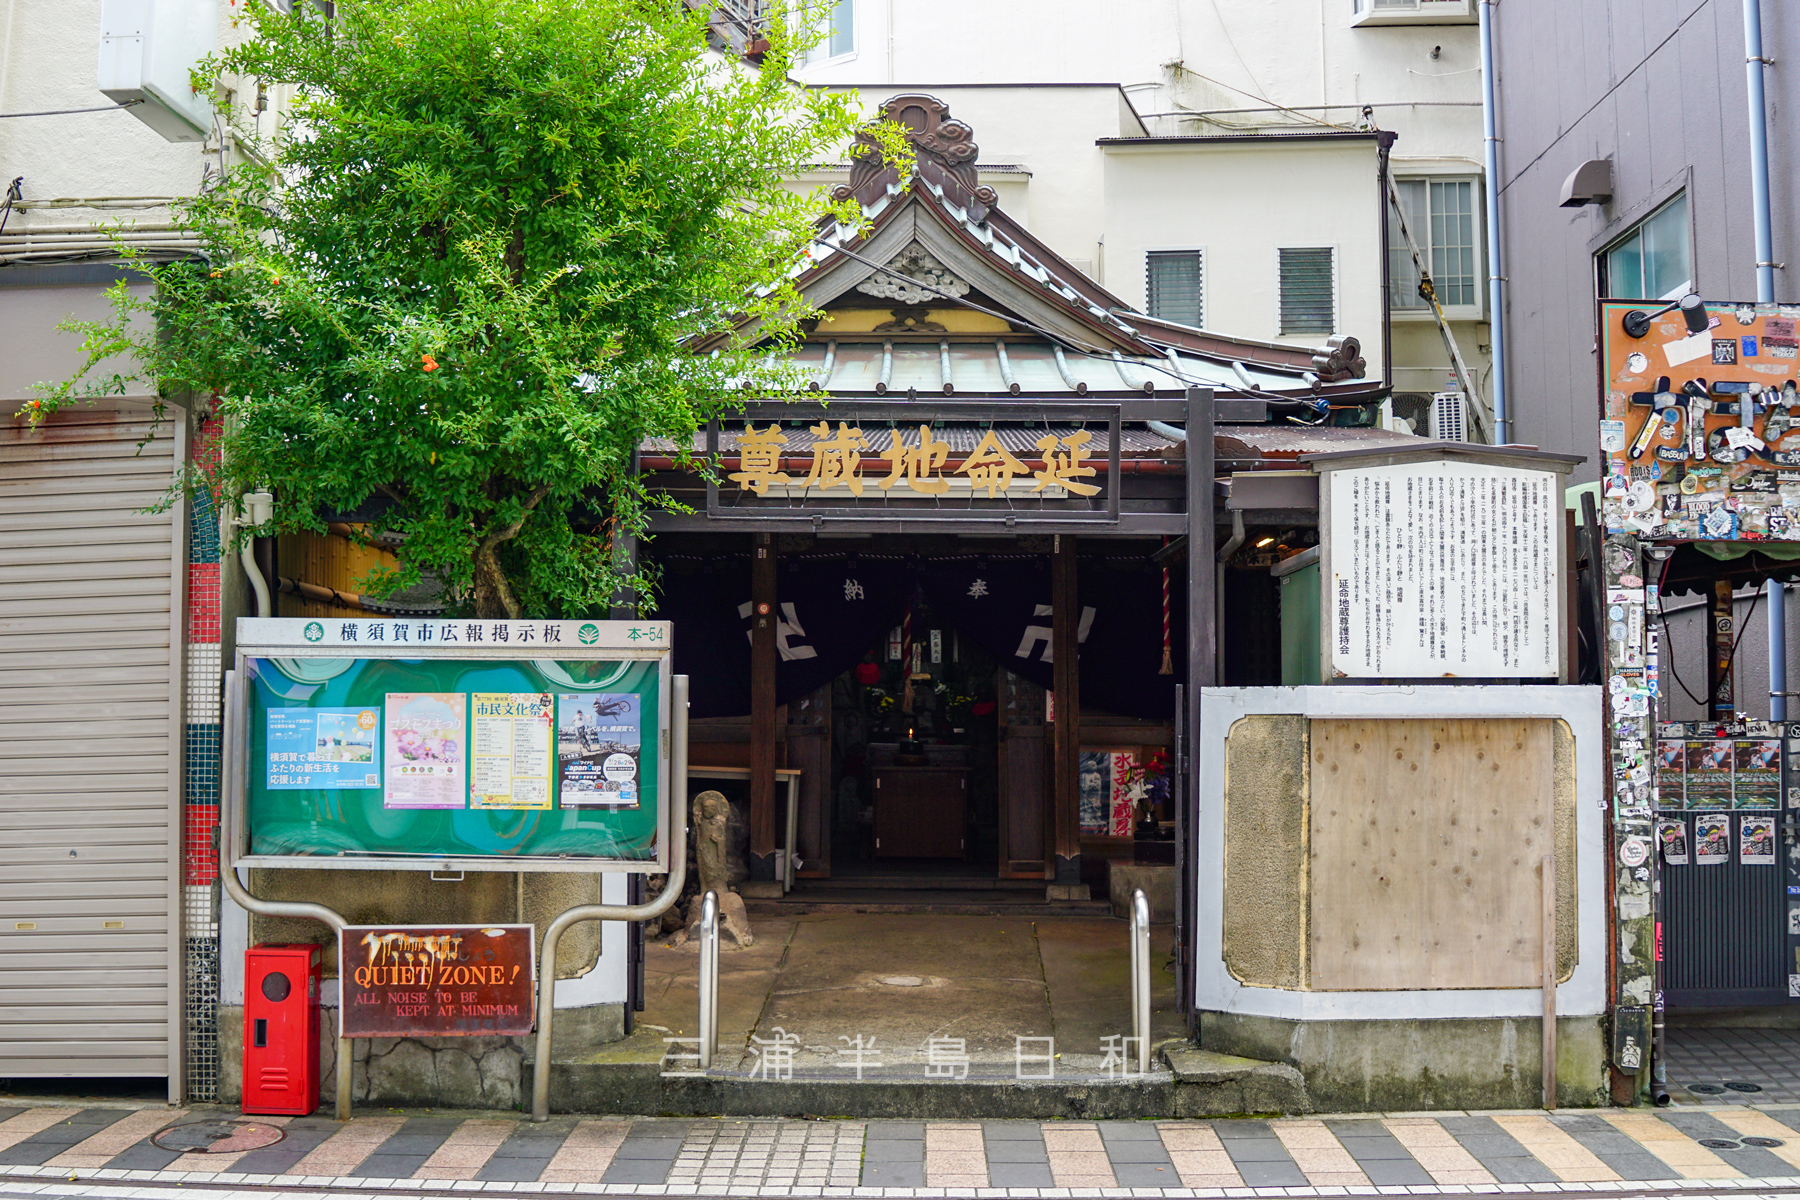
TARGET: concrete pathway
(1611,1150)
(917,989)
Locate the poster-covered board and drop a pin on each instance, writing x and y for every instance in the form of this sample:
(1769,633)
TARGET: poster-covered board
(1442,569)
(433,745)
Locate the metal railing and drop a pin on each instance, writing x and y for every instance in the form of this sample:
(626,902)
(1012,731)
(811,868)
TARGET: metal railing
(709,979)
(678,831)
(1140,978)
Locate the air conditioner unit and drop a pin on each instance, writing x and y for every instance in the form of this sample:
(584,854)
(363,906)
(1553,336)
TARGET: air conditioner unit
(1449,416)
(1414,12)
(148,51)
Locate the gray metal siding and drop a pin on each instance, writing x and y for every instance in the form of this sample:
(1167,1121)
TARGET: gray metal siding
(90,608)
(1657,86)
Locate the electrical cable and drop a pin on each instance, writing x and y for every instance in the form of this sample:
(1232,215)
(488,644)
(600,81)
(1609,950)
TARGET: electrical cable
(1276,398)
(1668,639)
(63,112)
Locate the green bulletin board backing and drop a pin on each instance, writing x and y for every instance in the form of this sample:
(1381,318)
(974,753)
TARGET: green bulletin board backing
(291,818)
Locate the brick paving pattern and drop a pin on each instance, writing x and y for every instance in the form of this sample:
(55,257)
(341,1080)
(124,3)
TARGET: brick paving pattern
(1354,1155)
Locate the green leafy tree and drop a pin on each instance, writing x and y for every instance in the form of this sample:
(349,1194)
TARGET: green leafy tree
(463,277)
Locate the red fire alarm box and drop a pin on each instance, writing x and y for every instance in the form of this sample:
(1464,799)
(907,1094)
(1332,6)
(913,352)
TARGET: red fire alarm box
(281,1030)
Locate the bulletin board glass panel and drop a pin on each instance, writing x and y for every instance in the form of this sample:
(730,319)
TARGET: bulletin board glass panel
(426,758)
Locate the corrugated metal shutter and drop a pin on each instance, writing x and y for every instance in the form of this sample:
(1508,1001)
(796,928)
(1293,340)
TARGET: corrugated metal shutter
(1308,289)
(1173,286)
(90,758)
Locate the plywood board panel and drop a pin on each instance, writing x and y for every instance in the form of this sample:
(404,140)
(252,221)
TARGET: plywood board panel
(1426,840)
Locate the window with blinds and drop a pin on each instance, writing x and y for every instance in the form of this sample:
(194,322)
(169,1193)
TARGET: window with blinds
(1308,290)
(1174,286)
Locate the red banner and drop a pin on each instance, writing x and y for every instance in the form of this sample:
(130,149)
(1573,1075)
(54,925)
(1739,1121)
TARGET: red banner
(437,980)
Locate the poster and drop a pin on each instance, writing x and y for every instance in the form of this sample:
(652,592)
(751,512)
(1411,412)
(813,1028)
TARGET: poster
(1104,783)
(509,750)
(598,747)
(1708,775)
(1757,772)
(1671,774)
(1756,841)
(331,748)
(1671,838)
(1712,840)
(425,736)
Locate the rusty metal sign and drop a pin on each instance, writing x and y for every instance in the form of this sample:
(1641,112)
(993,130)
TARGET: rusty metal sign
(437,980)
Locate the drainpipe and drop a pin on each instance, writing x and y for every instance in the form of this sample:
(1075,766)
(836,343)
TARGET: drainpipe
(257,508)
(1765,294)
(1383,185)
(1491,167)
(1225,552)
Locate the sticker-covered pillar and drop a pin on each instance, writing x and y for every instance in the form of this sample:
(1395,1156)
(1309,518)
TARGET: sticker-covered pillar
(1631,675)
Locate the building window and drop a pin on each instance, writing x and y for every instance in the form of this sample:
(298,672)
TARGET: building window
(1440,214)
(840,29)
(1174,286)
(1651,262)
(1308,289)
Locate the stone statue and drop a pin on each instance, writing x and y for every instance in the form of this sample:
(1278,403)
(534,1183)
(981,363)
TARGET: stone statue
(711,836)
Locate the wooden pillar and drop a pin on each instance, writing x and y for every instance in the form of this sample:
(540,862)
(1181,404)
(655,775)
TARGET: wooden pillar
(1202,672)
(1065,622)
(762,708)
(1722,703)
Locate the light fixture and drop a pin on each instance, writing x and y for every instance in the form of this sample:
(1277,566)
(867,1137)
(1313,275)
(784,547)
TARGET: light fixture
(1693,310)
(1268,541)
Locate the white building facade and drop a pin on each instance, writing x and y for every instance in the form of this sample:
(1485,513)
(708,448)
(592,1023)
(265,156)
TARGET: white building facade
(1213,161)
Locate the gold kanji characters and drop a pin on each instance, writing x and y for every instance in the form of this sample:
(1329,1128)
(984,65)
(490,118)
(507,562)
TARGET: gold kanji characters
(918,465)
(759,459)
(990,466)
(1063,463)
(837,460)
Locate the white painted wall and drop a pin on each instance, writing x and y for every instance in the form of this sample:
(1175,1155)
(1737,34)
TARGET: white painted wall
(1218,197)
(1211,59)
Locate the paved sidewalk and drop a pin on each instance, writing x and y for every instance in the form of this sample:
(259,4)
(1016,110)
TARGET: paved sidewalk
(1700,1147)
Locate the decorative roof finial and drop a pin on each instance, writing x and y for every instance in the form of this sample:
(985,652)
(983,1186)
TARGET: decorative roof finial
(945,149)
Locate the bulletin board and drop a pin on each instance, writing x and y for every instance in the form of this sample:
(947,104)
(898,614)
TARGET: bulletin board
(1701,432)
(439,744)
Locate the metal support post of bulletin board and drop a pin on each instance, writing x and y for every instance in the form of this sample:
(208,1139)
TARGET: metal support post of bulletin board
(540,1071)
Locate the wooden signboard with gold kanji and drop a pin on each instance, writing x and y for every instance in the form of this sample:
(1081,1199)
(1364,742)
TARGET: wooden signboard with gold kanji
(1700,424)
(850,462)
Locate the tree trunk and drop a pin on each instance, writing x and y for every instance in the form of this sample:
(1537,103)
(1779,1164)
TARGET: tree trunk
(494,598)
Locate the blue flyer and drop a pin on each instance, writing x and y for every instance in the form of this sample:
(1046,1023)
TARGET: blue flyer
(328,748)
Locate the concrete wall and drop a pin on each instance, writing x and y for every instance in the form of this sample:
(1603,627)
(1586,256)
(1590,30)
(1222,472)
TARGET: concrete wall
(482,1072)
(1430,1040)
(1657,87)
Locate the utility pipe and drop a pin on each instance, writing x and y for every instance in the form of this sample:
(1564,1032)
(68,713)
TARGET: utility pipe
(1224,557)
(1491,167)
(1765,294)
(235,769)
(678,811)
(258,507)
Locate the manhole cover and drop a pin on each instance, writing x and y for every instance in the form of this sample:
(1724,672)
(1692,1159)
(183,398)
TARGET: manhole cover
(218,1136)
(1706,1089)
(1763,1141)
(901,980)
(1719,1144)
(1744,1087)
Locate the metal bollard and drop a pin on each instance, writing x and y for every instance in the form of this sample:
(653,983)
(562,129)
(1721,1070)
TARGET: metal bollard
(709,978)
(1140,978)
